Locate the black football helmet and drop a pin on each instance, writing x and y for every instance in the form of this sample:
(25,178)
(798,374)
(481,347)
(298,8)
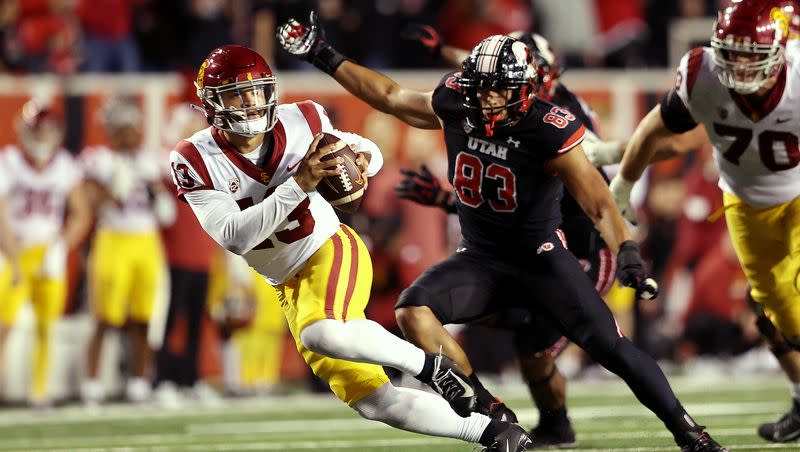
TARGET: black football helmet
(498,62)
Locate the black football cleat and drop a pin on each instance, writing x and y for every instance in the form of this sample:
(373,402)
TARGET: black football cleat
(453,385)
(553,436)
(702,442)
(498,410)
(512,439)
(786,429)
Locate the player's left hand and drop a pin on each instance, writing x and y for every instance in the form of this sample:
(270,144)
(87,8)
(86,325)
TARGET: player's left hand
(421,187)
(426,36)
(631,271)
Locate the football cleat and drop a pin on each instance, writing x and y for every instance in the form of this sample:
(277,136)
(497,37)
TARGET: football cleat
(553,436)
(512,439)
(453,385)
(498,410)
(702,442)
(787,428)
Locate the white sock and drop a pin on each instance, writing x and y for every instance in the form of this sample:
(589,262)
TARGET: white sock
(362,341)
(794,388)
(420,412)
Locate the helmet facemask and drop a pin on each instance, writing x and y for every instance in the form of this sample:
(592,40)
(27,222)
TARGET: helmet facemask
(247,108)
(744,66)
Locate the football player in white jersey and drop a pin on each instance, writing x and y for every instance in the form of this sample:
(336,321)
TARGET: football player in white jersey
(745,91)
(127,268)
(250,178)
(44,183)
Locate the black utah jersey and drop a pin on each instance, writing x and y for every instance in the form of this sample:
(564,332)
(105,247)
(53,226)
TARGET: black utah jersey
(506,200)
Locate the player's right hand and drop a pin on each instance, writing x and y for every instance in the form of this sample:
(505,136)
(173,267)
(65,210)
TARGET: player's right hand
(426,36)
(621,192)
(300,39)
(631,271)
(421,187)
(312,170)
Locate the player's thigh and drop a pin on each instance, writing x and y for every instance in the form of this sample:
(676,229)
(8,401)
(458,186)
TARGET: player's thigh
(350,381)
(462,288)
(149,282)
(12,295)
(335,282)
(564,295)
(48,297)
(110,277)
(759,248)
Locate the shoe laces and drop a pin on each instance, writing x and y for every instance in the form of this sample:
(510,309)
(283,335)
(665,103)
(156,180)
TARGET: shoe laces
(447,385)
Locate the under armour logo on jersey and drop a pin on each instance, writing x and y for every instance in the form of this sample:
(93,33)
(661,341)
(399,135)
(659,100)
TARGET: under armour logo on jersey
(233,185)
(545,247)
(461,249)
(513,142)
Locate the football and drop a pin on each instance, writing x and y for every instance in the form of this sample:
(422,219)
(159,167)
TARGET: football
(343,191)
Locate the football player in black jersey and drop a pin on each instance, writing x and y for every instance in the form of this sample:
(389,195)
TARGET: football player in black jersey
(536,357)
(510,155)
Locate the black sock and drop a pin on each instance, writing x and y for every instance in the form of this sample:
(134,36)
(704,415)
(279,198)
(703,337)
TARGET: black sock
(485,398)
(684,428)
(553,417)
(427,370)
(494,428)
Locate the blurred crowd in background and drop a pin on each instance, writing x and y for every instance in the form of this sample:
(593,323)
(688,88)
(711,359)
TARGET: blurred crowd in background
(222,328)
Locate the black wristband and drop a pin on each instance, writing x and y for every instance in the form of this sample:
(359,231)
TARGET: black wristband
(628,245)
(326,58)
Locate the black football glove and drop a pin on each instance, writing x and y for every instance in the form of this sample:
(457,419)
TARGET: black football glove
(424,188)
(308,43)
(631,272)
(426,36)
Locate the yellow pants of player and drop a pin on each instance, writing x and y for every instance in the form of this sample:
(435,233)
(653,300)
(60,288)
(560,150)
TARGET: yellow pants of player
(127,274)
(334,284)
(767,243)
(47,297)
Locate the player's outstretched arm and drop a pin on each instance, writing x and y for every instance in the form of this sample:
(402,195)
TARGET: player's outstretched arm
(374,88)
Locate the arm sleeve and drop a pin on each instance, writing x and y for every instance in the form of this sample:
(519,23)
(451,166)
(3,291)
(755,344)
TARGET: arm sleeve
(239,231)
(362,144)
(676,105)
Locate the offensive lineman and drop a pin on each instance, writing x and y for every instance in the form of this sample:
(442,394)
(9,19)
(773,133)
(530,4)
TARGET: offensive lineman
(744,91)
(507,205)
(250,178)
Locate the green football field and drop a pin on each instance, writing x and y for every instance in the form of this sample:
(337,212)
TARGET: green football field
(605,414)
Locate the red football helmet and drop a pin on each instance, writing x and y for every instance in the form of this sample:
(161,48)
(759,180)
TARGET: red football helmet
(749,42)
(238,91)
(40,131)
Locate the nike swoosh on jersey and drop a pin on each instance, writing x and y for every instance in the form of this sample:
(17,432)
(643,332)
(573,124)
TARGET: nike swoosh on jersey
(290,168)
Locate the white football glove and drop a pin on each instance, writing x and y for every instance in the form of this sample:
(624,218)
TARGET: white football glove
(55,260)
(621,191)
(602,153)
(297,38)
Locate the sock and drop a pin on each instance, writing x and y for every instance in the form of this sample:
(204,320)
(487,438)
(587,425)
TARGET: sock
(553,417)
(683,427)
(426,375)
(362,341)
(795,391)
(485,398)
(421,412)
(491,431)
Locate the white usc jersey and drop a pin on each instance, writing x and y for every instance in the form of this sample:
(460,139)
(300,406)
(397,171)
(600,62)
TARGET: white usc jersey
(755,145)
(207,160)
(106,167)
(38,199)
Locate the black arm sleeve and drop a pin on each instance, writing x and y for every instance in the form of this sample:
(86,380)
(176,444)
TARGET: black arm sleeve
(675,114)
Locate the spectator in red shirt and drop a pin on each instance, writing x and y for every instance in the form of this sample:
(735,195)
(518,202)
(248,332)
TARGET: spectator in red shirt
(108,35)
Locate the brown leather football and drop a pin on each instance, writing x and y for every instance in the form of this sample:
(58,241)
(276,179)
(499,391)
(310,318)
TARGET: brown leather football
(343,191)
